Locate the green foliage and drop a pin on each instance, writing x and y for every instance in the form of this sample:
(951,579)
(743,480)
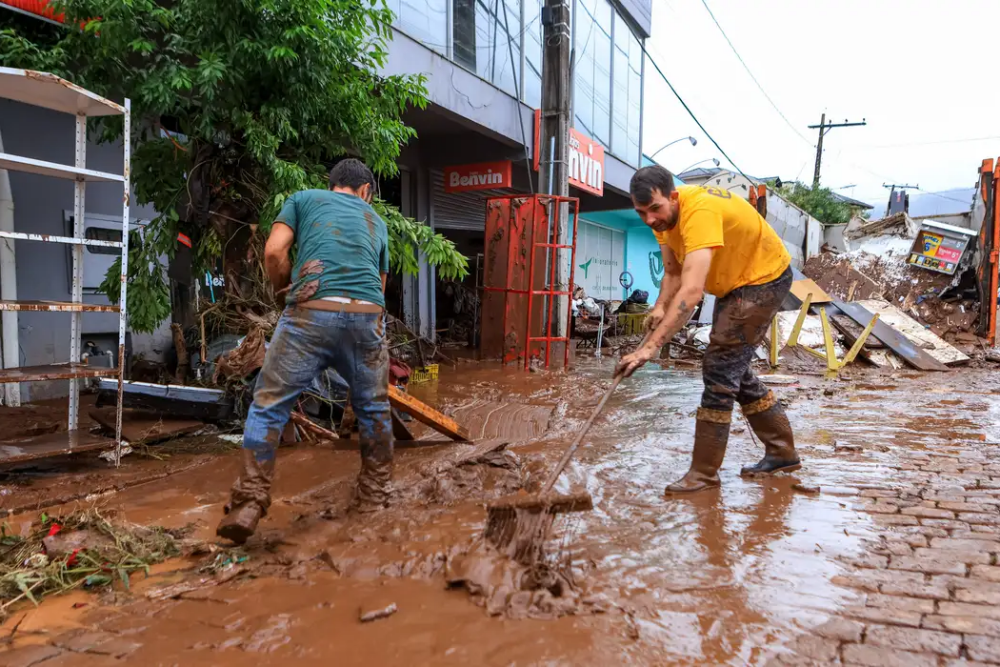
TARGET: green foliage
(260,96)
(820,203)
(406,237)
(148,297)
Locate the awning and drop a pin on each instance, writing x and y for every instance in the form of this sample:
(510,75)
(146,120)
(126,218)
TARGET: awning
(38,8)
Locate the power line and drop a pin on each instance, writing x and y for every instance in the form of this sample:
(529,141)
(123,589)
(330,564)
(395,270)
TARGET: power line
(645,52)
(747,68)
(930,143)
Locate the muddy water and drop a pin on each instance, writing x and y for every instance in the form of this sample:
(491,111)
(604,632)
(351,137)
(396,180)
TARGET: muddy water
(718,578)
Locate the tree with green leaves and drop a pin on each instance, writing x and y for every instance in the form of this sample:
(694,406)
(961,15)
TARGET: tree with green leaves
(820,203)
(236,104)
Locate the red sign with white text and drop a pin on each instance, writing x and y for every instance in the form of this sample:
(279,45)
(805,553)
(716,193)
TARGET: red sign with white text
(586,159)
(479,176)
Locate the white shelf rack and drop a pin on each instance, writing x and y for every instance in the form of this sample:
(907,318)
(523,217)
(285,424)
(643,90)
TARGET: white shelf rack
(46,90)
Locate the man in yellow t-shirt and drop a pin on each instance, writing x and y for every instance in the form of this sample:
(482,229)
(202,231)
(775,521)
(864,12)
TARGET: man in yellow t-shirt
(713,241)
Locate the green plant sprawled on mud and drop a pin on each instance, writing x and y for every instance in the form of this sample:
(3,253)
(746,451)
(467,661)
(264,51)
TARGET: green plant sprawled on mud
(113,553)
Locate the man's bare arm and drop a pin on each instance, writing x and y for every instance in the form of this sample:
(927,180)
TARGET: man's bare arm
(671,276)
(276,259)
(383,283)
(668,287)
(692,288)
(693,275)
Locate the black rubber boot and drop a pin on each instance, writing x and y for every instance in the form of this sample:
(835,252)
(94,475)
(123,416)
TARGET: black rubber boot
(770,424)
(711,435)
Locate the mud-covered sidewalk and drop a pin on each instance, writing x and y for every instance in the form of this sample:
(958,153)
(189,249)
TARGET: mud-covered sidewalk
(882,550)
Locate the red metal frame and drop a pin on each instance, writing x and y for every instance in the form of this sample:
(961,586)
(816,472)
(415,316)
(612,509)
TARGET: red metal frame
(542,208)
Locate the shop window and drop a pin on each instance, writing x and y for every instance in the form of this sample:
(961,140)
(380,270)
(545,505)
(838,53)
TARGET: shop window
(423,20)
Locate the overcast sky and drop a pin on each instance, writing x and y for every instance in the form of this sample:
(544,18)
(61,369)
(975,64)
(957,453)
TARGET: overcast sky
(924,73)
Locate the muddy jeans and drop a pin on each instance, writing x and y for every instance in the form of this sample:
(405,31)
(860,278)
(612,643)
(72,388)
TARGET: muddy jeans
(305,343)
(738,327)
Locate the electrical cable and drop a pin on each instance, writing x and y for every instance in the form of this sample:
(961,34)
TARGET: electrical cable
(656,66)
(930,143)
(747,68)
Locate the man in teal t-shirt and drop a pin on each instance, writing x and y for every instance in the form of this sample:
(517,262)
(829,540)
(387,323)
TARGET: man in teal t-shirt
(333,319)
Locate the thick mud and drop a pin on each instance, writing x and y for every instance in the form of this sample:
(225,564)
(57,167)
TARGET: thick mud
(723,577)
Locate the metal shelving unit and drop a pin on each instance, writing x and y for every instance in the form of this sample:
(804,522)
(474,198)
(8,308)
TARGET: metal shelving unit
(51,92)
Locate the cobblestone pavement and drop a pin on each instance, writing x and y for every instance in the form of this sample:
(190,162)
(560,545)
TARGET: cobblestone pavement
(929,578)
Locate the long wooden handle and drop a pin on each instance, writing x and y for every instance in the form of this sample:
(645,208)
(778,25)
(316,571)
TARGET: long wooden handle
(551,481)
(579,438)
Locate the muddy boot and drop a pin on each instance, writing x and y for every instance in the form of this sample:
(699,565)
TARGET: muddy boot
(767,419)
(249,500)
(711,435)
(374,487)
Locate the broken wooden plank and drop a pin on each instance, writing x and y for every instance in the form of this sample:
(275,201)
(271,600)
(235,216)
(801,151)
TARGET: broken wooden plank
(918,333)
(52,444)
(145,427)
(851,331)
(425,414)
(312,427)
(805,286)
(897,342)
(400,431)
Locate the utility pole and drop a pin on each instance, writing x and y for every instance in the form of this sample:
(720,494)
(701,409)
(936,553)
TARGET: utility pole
(823,128)
(554,136)
(903,205)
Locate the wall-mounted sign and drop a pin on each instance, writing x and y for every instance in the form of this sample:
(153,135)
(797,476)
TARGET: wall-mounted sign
(479,176)
(940,247)
(586,159)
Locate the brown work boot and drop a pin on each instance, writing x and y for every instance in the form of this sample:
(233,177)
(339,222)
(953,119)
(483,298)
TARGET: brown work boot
(711,435)
(768,420)
(249,499)
(373,490)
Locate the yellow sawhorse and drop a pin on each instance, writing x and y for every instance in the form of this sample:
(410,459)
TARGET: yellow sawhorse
(829,355)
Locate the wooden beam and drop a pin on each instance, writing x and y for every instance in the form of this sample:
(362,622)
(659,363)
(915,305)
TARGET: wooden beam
(425,414)
(400,431)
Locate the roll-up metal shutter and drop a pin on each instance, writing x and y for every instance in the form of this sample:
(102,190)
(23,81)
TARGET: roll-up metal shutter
(459,210)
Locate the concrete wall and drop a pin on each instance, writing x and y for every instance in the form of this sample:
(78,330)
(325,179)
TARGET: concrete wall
(791,223)
(726,180)
(43,269)
(963,220)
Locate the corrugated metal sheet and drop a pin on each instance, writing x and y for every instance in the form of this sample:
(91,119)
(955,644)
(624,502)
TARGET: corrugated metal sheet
(37,7)
(459,210)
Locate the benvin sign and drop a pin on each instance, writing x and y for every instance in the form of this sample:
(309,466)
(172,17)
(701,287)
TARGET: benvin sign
(586,159)
(479,176)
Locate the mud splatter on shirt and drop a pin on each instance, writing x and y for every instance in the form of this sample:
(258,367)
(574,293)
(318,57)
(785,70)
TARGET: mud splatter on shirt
(342,247)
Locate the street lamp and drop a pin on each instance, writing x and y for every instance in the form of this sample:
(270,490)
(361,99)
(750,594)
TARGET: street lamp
(694,142)
(716,161)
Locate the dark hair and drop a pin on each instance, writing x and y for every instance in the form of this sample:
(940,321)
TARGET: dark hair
(647,179)
(351,173)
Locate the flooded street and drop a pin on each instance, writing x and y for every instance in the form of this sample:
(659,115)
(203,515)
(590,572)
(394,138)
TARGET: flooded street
(881,550)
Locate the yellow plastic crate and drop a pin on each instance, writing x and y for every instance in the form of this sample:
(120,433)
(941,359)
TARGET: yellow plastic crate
(424,374)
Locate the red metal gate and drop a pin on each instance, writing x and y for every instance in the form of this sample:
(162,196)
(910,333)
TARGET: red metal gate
(522,240)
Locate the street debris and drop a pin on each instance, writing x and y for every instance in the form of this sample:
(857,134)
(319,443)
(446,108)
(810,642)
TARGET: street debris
(80,549)
(376,614)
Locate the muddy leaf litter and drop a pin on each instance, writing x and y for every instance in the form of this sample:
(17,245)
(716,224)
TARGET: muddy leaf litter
(81,549)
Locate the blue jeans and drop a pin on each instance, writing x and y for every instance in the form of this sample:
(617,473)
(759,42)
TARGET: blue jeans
(305,343)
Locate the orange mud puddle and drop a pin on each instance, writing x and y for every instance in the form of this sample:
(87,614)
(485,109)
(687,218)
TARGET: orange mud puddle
(723,577)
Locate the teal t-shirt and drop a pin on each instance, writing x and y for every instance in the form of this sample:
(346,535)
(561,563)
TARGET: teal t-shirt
(342,247)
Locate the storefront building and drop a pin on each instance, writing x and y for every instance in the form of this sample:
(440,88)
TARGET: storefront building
(483,63)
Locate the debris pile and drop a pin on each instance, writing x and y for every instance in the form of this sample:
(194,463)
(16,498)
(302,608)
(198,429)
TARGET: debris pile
(82,549)
(876,267)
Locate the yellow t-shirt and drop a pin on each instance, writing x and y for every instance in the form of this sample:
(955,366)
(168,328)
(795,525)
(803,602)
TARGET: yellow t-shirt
(749,251)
